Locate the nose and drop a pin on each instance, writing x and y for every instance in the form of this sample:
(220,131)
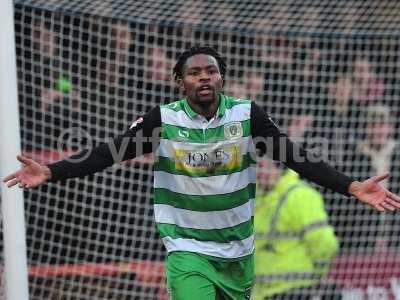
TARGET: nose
(204,76)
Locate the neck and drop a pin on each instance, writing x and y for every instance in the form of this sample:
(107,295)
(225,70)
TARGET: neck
(207,110)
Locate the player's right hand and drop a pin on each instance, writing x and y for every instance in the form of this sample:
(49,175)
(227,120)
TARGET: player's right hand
(31,174)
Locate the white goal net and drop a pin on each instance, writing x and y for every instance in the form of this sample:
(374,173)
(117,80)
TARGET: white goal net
(327,71)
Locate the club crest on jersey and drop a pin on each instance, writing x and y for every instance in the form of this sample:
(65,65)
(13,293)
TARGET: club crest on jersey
(134,124)
(173,105)
(233,130)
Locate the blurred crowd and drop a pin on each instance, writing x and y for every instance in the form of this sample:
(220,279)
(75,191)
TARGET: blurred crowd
(337,96)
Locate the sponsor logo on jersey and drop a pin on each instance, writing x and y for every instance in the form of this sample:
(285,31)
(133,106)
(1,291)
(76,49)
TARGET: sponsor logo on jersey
(208,161)
(138,121)
(183,134)
(233,130)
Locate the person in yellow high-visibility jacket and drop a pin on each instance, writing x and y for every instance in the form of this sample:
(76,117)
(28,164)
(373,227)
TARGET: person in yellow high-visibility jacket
(294,242)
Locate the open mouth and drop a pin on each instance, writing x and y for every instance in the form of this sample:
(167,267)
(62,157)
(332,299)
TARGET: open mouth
(205,90)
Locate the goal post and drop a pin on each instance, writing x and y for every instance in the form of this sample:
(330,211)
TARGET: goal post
(15,271)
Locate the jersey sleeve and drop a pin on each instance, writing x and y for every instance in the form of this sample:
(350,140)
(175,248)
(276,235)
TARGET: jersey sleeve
(142,137)
(268,139)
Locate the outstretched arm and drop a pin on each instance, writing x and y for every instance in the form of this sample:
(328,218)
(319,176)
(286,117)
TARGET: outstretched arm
(141,138)
(270,140)
(279,147)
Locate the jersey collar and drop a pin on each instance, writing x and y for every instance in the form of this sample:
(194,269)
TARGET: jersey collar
(220,112)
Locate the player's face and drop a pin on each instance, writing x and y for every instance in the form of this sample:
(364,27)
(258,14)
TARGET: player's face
(202,80)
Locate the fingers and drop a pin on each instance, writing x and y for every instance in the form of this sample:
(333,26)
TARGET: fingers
(13,179)
(17,180)
(392,202)
(10,177)
(23,159)
(379,207)
(13,182)
(389,203)
(388,206)
(392,196)
(23,185)
(380,177)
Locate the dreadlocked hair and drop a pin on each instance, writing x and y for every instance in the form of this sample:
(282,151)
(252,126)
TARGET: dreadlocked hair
(178,69)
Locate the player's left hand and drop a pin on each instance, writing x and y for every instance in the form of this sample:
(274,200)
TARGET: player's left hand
(373,194)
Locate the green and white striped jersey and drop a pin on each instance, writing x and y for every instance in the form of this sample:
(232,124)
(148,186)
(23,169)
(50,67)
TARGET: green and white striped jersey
(204,171)
(204,179)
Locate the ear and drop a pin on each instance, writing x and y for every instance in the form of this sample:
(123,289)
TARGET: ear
(180,84)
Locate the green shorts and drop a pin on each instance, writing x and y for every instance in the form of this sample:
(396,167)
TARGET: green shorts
(196,277)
